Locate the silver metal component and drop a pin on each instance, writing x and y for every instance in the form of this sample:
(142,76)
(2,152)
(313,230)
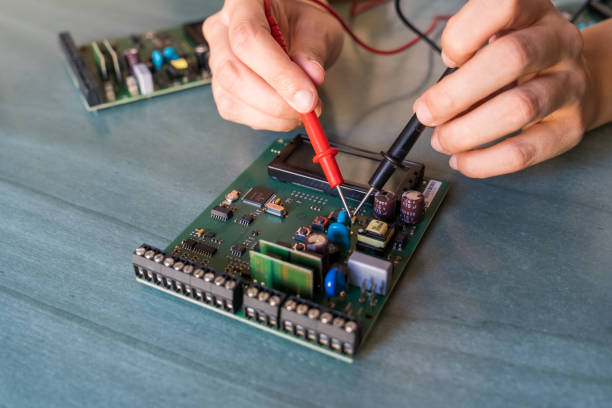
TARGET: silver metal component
(158,258)
(326,318)
(338,322)
(198,273)
(363,201)
(313,313)
(274,300)
(290,305)
(209,276)
(140,251)
(149,254)
(188,269)
(375,272)
(252,292)
(263,296)
(168,262)
(219,280)
(230,285)
(350,327)
(302,309)
(346,207)
(178,266)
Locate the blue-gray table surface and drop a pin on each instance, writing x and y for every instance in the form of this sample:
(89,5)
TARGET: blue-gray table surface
(507,301)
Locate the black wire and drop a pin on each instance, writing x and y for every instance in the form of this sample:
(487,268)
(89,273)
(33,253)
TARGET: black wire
(581,10)
(414,29)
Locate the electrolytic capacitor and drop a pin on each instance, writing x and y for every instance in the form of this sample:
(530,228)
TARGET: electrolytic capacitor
(384,205)
(412,210)
(202,53)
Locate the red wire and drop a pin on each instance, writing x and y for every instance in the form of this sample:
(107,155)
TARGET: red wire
(357,8)
(361,43)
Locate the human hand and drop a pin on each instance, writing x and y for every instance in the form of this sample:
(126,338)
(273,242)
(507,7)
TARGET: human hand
(530,77)
(254,82)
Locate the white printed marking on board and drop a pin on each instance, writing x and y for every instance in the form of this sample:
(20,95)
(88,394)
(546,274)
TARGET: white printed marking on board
(431,190)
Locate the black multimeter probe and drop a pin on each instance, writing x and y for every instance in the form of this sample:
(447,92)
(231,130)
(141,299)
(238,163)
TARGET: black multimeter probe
(396,154)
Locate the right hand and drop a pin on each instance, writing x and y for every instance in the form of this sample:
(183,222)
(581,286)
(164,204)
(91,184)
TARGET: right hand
(254,82)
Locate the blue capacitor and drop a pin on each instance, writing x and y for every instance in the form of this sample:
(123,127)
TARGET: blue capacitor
(170,54)
(157,59)
(338,232)
(335,282)
(343,218)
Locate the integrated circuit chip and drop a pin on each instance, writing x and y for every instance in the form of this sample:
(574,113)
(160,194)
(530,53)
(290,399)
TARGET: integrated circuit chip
(221,213)
(258,196)
(246,219)
(238,250)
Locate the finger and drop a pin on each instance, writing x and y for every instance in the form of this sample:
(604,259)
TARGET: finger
(479,20)
(251,42)
(236,78)
(538,143)
(233,109)
(505,60)
(314,48)
(506,113)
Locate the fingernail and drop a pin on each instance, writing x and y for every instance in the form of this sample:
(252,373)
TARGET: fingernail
(435,141)
(423,112)
(453,162)
(312,67)
(447,61)
(303,101)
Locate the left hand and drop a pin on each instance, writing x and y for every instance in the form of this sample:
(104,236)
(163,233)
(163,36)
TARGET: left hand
(530,77)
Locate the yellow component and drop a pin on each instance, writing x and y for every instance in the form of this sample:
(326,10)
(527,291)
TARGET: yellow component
(378,227)
(277,201)
(180,63)
(200,232)
(377,234)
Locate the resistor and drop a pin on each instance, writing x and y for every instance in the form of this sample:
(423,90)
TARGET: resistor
(413,207)
(384,205)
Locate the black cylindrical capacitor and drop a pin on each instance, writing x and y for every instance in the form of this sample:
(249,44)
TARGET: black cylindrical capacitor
(202,53)
(384,205)
(412,210)
(131,57)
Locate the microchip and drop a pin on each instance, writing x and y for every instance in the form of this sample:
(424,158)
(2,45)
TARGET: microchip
(238,250)
(258,196)
(210,234)
(204,248)
(246,219)
(221,213)
(189,243)
(319,223)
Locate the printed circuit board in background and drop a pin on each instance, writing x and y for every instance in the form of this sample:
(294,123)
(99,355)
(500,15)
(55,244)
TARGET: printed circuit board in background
(117,71)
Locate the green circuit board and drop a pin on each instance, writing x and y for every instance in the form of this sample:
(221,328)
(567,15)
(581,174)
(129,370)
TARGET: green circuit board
(94,65)
(302,206)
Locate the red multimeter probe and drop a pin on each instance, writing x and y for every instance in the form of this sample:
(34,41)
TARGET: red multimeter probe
(324,153)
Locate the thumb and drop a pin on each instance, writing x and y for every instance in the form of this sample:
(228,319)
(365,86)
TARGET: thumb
(314,49)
